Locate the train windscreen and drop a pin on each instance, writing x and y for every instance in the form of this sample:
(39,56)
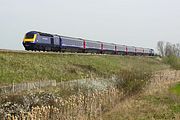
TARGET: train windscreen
(29,36)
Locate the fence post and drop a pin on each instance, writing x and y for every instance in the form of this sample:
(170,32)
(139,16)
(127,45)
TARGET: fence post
(27,86)
(39,84)
(13,86)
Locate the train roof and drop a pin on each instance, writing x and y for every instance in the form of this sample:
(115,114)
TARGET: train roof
(41,33)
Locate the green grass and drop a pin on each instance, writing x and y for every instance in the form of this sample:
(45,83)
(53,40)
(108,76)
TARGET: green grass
(22,67)
(175,89)
(173,104)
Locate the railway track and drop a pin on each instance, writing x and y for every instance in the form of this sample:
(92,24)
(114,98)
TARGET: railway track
(60,53)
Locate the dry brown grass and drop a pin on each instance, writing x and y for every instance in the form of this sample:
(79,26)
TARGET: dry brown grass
(82,106)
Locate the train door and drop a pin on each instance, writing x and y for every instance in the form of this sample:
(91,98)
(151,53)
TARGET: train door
(60,42)
(52,41)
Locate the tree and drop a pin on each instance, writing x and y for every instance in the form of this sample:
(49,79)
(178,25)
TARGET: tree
(160,47)
(170,49)
(178,49)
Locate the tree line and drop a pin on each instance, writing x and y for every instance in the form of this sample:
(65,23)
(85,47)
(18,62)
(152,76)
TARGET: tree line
(168,49)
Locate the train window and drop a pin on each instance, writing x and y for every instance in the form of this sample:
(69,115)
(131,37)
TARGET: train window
(45,34)
(29,36)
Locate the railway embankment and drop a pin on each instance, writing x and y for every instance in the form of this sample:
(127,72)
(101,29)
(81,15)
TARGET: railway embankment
(18,67)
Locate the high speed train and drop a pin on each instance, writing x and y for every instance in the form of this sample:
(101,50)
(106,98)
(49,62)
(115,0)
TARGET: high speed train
(39,41)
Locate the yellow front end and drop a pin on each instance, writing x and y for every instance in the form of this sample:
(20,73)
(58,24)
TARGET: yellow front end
(30,39)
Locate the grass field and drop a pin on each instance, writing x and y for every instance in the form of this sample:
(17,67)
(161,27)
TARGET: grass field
(21,67)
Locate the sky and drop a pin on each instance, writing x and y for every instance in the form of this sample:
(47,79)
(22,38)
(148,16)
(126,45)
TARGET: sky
(129,22)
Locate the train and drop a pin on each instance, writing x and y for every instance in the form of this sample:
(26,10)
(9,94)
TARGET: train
(40,41)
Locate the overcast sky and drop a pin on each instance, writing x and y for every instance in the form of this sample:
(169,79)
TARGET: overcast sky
(130,22)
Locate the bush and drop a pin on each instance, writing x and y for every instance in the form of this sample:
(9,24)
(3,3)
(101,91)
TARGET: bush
(173,61)
(132,81)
